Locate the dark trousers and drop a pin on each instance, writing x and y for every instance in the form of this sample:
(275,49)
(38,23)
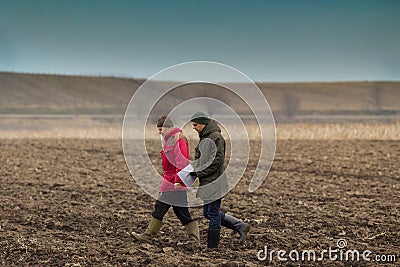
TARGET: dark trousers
(161,207)
(212,211)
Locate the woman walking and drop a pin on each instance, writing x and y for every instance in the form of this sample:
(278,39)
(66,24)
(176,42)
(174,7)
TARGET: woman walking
(175,156)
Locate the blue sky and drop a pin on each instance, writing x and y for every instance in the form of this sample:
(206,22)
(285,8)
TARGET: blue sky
(278,41)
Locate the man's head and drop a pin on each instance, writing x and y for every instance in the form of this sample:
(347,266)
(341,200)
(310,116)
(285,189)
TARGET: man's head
(164,124)
(199,120)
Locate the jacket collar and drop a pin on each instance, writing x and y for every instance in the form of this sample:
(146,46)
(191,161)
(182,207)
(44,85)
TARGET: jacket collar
(172,133)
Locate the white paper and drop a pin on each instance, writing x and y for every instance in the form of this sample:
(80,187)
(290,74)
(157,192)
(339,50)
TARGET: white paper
(185,176)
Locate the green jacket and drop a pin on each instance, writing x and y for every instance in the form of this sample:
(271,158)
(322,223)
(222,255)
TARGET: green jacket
(209,163)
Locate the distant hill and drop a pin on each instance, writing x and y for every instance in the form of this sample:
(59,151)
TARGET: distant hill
(31,93)
(58,94)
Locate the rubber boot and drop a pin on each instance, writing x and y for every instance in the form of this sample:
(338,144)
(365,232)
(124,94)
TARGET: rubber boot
(213,236)
(151,231)
(192,229)
(237,226)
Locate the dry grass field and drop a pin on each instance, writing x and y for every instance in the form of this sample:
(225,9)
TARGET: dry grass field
(92,128)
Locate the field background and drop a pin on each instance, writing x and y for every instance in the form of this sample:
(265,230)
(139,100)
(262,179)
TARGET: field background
(56,94)
(43,106)
(67,198)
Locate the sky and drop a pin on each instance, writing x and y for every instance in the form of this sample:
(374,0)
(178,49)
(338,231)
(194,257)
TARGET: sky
(269,41)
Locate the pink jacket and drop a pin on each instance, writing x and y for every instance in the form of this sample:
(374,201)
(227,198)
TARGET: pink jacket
(175,157)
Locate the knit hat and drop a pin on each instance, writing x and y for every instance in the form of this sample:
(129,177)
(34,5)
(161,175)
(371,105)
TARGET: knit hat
(200,117)
(165,121)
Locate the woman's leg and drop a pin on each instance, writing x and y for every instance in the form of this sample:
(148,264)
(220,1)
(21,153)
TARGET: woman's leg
(160,209)
(181,211)
(183,214)
(155,223)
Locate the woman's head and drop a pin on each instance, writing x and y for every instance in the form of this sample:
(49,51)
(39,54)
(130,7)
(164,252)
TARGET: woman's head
(164,124)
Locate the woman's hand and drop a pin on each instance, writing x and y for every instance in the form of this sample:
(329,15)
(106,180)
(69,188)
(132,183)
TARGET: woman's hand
(177,185)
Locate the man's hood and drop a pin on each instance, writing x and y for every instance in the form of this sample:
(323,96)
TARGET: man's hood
(212,126)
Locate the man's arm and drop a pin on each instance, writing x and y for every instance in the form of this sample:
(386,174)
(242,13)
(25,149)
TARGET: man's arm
(213,164)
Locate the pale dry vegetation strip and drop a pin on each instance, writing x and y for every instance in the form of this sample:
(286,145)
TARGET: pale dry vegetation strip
(362,131)
(293,131)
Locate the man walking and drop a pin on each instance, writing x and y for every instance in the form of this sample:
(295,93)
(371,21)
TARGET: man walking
(209,168)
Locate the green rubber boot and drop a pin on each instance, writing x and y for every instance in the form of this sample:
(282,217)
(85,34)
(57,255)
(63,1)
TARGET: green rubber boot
(151,231)
(192,229)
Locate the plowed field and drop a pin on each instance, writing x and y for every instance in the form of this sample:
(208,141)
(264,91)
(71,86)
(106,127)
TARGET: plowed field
(71,202)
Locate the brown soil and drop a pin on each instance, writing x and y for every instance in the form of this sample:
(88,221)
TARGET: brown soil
(71,203)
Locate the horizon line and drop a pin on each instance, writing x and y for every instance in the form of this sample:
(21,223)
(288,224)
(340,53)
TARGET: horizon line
(144,79)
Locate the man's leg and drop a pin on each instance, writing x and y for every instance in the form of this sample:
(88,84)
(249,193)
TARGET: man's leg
(212,212)
(236,225)
(214,209)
